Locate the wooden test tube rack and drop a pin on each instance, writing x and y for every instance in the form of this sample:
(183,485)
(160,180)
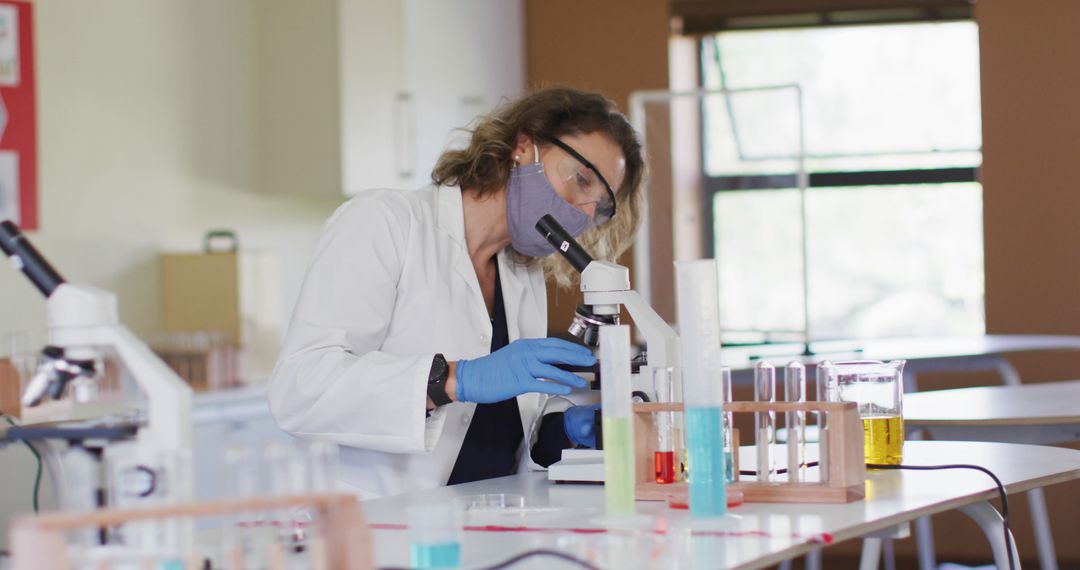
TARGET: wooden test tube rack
(844,437)
(40,541)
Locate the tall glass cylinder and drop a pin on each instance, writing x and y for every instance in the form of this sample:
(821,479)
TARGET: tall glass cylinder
(617,410)
(699,327)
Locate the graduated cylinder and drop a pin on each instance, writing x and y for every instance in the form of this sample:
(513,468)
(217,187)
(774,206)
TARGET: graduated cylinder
(617,419)
(699,327)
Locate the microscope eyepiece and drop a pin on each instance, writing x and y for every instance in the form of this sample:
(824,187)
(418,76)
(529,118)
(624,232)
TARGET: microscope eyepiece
(28,260)
(563,242)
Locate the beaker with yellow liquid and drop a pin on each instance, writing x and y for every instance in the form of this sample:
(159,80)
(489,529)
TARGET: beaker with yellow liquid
(878,388)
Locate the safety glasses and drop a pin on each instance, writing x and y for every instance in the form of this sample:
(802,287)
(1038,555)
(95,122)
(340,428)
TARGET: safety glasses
(586,184)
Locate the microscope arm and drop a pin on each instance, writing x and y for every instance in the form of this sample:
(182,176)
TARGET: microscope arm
(606,287)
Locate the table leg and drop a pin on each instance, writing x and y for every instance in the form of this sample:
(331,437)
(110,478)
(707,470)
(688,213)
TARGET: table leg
(871,553)
(1044,537)
(988,519)
(1009,375)
(924,537)
(813,559)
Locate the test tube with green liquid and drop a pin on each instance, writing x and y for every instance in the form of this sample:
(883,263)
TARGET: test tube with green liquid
(617,419)
(699,325)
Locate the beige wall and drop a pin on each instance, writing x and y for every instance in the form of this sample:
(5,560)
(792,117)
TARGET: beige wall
(615,47)
(145,115)
(146,140)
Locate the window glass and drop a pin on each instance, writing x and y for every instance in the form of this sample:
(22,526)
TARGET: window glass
(881,259)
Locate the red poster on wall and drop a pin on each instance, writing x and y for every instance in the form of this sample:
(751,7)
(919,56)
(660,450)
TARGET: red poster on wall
(18,121)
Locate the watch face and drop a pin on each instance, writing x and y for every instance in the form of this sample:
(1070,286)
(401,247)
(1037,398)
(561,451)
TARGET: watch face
(438,369)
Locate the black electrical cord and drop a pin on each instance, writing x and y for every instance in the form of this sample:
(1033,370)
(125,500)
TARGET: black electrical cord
(1000,487)
(780,471)
(37,456)
(529,554)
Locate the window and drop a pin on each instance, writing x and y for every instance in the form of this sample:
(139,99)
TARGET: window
(891,142)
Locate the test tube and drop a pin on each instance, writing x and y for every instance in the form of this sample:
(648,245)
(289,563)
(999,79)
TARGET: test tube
(244,541)
(664,456)
(435,534)
(617,409)
(764,442)
(322,461)
(795,391)
(824,386)
(730,475)
(699,324)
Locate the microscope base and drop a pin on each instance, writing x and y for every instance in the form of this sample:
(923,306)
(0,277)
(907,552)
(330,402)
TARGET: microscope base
(578,466)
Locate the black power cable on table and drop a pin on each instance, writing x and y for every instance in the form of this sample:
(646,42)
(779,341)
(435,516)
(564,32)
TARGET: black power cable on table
(1000,487)
(528,554)
(37,456)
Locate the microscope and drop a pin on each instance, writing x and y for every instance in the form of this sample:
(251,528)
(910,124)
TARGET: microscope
(139,458)
(606,288)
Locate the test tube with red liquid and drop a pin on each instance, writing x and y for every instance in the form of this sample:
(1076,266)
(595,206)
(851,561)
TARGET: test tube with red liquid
(664,456)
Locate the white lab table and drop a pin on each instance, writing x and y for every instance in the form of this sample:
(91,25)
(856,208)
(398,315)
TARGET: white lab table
(1044,413)
(923,354)
(568,517)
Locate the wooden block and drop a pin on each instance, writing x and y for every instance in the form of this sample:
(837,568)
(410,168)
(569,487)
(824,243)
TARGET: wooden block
(38,541)
(644,447)
(847,472)
(10,388)
(755,492)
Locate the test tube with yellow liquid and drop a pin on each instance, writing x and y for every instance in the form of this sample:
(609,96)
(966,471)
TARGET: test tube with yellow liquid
(617,419)
(878,388)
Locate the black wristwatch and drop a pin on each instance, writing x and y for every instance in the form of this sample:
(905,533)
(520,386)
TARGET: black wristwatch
(436,382)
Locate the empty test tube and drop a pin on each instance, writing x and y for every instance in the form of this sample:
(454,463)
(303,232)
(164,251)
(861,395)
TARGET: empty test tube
(664,456)
(824,387)
(765,437)
(795,391)
(730,474)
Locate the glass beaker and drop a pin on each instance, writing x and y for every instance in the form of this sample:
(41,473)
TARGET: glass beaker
(877,387)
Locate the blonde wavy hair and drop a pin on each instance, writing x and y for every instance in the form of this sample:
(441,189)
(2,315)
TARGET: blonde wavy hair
(484,165)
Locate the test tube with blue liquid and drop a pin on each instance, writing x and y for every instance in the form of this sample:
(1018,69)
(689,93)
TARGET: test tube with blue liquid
(435,535)
(699,324)
(617,419)
(765,422)
(795,391)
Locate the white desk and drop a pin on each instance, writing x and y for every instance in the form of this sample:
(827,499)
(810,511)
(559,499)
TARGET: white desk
(967,353)
(752,536)
(1044,413)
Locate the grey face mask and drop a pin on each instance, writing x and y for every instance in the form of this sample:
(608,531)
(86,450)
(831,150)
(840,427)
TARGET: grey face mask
(529,197)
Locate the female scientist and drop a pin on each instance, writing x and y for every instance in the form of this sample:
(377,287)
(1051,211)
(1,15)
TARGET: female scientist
(417,340)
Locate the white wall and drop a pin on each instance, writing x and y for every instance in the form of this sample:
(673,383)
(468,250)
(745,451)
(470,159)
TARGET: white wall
(146,141)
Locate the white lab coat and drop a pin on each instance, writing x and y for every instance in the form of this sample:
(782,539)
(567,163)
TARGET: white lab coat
(391,284)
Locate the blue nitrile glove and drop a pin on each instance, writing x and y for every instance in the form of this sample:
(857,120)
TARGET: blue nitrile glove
(518,367)
(578,423)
